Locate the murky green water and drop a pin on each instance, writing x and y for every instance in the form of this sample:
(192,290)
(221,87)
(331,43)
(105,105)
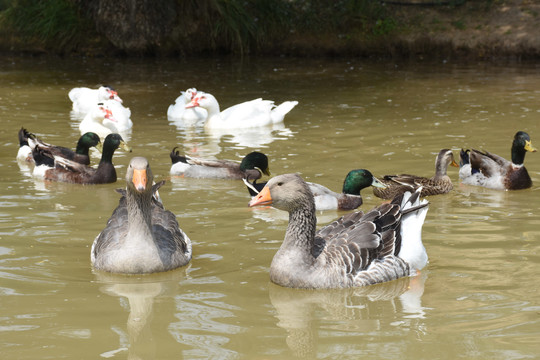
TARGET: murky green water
(478,297)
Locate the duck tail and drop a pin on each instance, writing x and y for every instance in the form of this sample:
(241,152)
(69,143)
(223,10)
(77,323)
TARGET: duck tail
(24,136)
(279,112)
(176,157)
(414,213)
(42,157)
(464,157)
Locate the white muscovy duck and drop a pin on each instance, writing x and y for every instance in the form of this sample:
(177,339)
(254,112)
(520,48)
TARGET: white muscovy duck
(177,112)
(100,120)
(84,98)
(121,116)
(248,114)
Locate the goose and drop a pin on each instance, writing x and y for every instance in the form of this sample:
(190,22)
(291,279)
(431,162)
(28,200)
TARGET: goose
(440,183)
(355,250)
(28,141)
(141,237)
(326,199)
(495,172)
(178,111)
(248,114)
(72,172)
(84,99)
(253,165)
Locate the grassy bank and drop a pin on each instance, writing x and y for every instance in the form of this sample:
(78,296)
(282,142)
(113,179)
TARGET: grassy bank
(481,29)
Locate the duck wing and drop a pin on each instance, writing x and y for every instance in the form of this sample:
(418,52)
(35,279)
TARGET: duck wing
(489,164)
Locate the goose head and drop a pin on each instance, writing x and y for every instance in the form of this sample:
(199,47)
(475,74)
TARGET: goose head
(287,192)
(139,176)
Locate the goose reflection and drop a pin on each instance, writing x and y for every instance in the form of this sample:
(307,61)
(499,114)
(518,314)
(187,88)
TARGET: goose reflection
(140,293)
(357,310)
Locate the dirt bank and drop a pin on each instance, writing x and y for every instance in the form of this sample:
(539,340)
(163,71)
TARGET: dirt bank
(475,30)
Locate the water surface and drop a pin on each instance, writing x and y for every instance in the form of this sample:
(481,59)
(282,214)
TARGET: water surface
(477,298)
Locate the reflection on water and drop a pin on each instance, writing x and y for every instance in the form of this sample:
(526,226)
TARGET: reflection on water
(479,300)
(354,311)
(141,293)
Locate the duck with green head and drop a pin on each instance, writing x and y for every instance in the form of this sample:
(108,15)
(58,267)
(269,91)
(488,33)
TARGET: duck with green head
(29,141)
(253,166)
(73,172)
(495,172)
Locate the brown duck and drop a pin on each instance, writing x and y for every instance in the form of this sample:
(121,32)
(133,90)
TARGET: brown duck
(440,183)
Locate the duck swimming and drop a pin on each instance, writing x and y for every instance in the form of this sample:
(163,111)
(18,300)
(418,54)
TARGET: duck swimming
(253,165)
(72,172)
(495,172)
(355,250)
(440,183)
(28,141)
(141,237)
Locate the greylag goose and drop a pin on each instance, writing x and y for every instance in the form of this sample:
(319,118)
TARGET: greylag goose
(356,250)
(495,172)
(141,236)
(440,183)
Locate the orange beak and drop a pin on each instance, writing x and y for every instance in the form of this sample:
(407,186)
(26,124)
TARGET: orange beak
(263,198)
(454,163)
(139,179)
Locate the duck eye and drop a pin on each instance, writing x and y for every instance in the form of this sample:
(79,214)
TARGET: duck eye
(279,183)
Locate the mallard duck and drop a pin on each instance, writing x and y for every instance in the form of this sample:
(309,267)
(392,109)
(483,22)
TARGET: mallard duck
(253,165)
(440,183)
(356,250)
(140,236)
(72,172)
(326,199)
(495,172)
(29,141)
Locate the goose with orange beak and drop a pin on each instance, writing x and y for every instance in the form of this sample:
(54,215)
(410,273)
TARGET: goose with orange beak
(355,250)
(141,237)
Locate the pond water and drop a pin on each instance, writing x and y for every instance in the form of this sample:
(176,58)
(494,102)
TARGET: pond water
(477,298)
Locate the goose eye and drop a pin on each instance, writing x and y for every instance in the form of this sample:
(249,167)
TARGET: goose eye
(279,183)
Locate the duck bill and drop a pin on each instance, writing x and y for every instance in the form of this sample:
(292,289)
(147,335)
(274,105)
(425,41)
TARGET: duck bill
(139,179)
(529,147)
(99,146)
(265,171)
(454,163)
(377,183)
(125,146)
(263,198)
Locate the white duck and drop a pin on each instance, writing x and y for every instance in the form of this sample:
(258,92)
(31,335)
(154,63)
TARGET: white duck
(84,98)
(189,116)
(121,115)
(248,114)
(99,120)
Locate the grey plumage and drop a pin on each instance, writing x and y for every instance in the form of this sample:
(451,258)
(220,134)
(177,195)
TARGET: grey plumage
(141,236)
(355,250)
